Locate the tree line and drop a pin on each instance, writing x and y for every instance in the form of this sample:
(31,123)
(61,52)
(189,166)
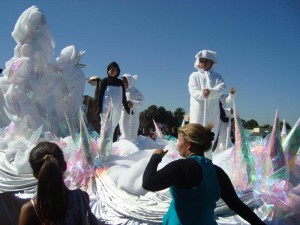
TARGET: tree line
(174,119)
(161,115)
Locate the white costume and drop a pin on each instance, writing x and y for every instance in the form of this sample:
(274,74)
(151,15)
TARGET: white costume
(32,86)
(224,140)
(129,123)
(204,110)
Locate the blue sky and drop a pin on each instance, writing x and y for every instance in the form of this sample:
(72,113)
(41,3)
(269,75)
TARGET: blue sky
(258,46)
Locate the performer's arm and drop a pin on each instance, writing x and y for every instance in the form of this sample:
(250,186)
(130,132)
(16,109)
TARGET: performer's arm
(124,100)
(231,96)
(218,87)
(230,197)
(139,99)
(195,90)
(102,88)
(180,173)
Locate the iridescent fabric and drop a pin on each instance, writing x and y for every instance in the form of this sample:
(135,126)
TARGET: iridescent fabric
(48,107)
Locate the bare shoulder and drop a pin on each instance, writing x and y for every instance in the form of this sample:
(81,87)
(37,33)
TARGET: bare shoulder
(27,206)
(28,215)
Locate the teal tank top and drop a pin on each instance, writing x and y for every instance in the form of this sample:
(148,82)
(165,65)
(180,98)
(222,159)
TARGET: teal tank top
(195,206)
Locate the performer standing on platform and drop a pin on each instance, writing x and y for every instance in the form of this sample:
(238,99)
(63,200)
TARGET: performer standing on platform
(129,123)
(205,87)
(111,98)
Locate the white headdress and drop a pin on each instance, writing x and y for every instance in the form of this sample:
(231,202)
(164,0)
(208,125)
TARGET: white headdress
(131,79)
(207,54)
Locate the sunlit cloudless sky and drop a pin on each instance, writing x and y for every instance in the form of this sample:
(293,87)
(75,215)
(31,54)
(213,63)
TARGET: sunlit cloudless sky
(257,44)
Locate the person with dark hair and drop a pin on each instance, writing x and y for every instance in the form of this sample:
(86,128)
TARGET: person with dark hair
(111,98)
(196,184)
(54,203)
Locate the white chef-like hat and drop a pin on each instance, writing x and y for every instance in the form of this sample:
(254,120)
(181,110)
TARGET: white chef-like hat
(207,54)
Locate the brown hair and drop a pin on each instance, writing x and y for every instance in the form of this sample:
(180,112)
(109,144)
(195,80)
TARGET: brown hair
(199,136)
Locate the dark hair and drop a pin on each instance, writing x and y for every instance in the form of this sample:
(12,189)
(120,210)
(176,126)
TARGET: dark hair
(48,165)
(113,64)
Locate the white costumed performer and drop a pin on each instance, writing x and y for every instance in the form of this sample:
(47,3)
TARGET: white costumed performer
(205,87)
(129,123)
(224,140)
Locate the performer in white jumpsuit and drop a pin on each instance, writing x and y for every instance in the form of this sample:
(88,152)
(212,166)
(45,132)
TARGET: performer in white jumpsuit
(224,140)
(205,87)
(129,123)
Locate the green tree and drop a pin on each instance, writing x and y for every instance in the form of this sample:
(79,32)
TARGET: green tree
(268,126)
(250,124)
(178,116)
(170,119)
(159,114)
(147,115)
